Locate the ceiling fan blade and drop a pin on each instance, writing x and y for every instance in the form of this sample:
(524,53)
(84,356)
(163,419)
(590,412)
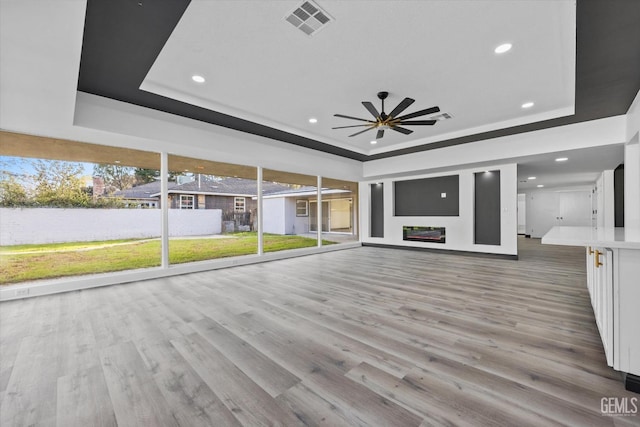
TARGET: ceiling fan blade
(369,106)
(419,113)
(401,107)
(362,131)
(352,126)
(402,130)
(418,122)
(380,134)
(353,118)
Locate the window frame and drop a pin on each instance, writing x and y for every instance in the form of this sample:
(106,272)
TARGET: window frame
(237,199)
(306,208)
(186,205)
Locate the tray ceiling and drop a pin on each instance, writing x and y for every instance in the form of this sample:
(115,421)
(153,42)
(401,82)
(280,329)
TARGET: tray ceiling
(266,77)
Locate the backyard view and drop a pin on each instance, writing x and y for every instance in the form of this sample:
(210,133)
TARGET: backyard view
(63,218)
(21,263)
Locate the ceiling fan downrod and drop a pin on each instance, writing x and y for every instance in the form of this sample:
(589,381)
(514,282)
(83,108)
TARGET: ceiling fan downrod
(382,96)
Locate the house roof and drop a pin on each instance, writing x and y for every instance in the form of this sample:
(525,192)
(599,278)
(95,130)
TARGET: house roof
(220,186)
(306,192)
(150,190)
(226,186)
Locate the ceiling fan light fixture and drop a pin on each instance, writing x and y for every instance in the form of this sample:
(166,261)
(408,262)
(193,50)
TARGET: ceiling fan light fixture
(503,48)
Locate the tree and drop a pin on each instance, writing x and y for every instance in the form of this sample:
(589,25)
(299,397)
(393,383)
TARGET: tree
(144,176)
(59,183)
(12,193)
(116,177)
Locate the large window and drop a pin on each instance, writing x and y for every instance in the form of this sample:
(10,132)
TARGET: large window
(223,224)
(286,199)
(340,201)
(68,209)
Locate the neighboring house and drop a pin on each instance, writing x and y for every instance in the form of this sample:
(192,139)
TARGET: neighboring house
(204,192)
(295,211)
(287,210)
(227,194)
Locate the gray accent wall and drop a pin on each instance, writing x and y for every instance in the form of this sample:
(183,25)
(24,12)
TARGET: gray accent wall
(437,196)
(487,208)
(377,210)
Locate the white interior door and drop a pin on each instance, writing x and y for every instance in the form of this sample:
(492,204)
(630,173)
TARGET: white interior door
(543,209)
(574,208)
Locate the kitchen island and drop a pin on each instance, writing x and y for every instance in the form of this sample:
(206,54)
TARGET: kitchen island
(612,257)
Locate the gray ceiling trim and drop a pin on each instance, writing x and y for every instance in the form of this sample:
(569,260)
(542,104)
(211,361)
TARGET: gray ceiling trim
(122,39)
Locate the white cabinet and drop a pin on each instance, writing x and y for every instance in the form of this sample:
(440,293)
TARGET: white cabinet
(613,279)
(600,263)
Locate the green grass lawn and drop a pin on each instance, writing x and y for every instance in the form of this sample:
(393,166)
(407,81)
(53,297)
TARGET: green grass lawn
(32,262)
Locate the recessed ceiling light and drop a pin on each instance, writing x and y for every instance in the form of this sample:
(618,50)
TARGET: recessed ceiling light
(374,142)
(532,177)
(503,48)
(313,120)
(527,105)
(116,161)
(539,185)
(198,79)
(562,159)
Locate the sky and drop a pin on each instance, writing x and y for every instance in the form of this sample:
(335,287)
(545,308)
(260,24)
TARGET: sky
(21,166)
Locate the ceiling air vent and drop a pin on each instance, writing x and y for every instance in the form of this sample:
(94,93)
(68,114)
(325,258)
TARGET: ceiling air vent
(309,18)
(440,117)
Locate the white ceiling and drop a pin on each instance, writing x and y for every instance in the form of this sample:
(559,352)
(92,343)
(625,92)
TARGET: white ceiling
(261,68)
(582,167)
(41,99)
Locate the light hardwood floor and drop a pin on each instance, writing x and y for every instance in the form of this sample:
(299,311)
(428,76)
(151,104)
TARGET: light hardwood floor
(367,336)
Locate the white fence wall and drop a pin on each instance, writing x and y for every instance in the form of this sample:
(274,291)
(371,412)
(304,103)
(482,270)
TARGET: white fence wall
(50,225)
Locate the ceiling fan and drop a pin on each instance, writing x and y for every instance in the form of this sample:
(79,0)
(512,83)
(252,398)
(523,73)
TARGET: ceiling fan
(391,121)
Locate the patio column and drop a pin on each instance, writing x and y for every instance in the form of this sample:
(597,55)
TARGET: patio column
(164,207)
(319,205)
(259,218)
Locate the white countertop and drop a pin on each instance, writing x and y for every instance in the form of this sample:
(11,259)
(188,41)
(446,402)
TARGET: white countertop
(587,236)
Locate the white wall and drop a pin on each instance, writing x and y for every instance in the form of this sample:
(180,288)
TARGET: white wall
(567,206)
(606,200)
(459,229)
(632,167)
(300,223)
(49,225)
(274,216)
(507,149)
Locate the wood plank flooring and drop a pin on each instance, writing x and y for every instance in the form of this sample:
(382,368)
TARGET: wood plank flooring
(359,337)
